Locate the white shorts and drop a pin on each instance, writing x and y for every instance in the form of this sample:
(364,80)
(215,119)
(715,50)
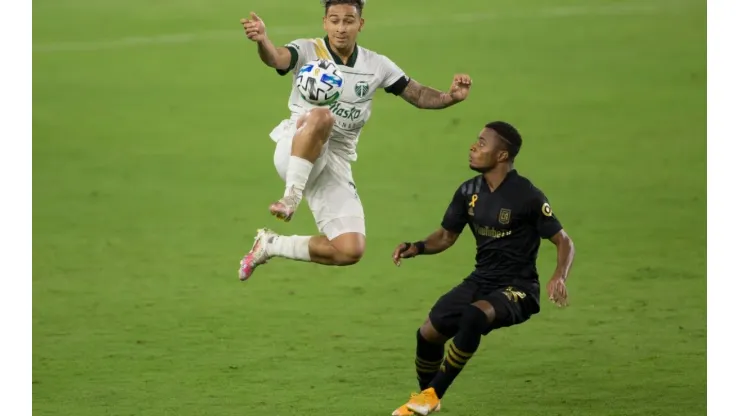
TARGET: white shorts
(330,191)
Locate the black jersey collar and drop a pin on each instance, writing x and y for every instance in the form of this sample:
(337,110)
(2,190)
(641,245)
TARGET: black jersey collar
(352,58)
(510,174)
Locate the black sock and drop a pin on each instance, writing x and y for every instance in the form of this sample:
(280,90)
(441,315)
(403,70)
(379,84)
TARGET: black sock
(429,357)
(472,324)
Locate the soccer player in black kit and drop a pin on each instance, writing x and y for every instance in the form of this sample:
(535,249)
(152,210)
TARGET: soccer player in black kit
(508,216)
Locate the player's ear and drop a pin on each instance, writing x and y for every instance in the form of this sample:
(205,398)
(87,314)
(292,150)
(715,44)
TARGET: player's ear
(362,24)
(503,156)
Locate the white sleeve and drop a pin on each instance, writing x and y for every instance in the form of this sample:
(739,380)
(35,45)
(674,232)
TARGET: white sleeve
(393,79)
(299,53)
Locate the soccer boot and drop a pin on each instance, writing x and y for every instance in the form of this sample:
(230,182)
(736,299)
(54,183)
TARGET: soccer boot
(424,403)
(405,411)
(257,255)
(284,208)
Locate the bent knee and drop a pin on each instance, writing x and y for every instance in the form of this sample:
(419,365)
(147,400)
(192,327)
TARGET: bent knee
(349,247)
(476,318)
(350,256)
(430,333)
(321,118)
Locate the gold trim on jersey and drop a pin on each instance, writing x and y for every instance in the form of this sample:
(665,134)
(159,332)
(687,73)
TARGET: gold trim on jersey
(321,50)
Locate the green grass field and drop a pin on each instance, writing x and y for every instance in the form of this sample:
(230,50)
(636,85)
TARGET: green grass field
(152,168)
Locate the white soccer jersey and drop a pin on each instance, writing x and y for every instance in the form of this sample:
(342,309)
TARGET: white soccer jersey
(364,73)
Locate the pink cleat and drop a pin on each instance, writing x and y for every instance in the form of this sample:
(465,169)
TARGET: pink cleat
(257,255)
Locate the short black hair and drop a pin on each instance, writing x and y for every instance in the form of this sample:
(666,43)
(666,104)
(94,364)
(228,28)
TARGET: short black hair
(510,136)
(357,3)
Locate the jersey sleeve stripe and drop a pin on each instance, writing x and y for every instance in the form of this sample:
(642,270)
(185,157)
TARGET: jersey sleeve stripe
(293,60)
(478,183)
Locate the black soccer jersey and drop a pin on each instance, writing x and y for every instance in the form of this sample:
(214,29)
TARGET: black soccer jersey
(508,225)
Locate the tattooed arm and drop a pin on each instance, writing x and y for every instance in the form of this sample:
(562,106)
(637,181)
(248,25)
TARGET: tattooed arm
(421,96)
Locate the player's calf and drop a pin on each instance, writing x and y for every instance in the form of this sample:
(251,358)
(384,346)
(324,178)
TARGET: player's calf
(475,320)
(430,352)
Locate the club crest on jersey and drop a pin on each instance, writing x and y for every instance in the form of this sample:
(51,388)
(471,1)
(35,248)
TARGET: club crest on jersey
(504,216)
(471,205)
(362,88)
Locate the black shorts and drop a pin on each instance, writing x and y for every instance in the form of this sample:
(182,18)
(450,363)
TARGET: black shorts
(513,306)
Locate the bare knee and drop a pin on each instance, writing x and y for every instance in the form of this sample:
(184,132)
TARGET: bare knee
(430,333)
(319,120)
(349,248)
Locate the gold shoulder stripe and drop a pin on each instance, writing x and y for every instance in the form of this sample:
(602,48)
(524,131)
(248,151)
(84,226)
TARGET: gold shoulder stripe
(321,51)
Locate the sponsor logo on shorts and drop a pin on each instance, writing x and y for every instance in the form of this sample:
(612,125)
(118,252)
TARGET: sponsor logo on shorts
(514,295)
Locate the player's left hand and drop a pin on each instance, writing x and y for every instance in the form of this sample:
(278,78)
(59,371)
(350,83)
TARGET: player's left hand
(460,87)
(557,292)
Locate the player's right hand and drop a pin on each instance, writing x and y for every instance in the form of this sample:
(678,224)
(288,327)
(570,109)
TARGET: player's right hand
(404,251)
(254,28)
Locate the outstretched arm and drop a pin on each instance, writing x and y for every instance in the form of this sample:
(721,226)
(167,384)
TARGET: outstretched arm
(421,96)
(437,242)
(279,58)
(274,57)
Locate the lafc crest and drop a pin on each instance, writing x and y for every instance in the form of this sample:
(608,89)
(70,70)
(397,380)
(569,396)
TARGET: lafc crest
(471,205)
(504,216)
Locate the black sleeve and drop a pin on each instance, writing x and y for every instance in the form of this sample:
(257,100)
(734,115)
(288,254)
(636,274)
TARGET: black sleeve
(293,60)
(456,218)
(397,87)
(545,221)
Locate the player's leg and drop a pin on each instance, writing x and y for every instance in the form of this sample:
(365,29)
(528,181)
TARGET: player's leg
(474,320)
(498,309)
(339,216)
(344,249)
(430,352)
(313,130)
(441,325)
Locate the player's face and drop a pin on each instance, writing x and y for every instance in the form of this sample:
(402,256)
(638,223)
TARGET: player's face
(487,152)
(342,24)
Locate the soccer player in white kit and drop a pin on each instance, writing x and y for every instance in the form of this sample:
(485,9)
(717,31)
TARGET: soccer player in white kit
(315,146)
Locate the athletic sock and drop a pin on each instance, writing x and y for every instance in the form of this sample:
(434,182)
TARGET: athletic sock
(299,170)
(474,321)
(429,357)
(293,247)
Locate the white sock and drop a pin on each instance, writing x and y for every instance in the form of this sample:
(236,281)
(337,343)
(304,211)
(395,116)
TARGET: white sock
(297,175)
(293,247)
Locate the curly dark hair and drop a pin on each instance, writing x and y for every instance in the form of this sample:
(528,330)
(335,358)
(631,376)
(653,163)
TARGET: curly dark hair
(359,4)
